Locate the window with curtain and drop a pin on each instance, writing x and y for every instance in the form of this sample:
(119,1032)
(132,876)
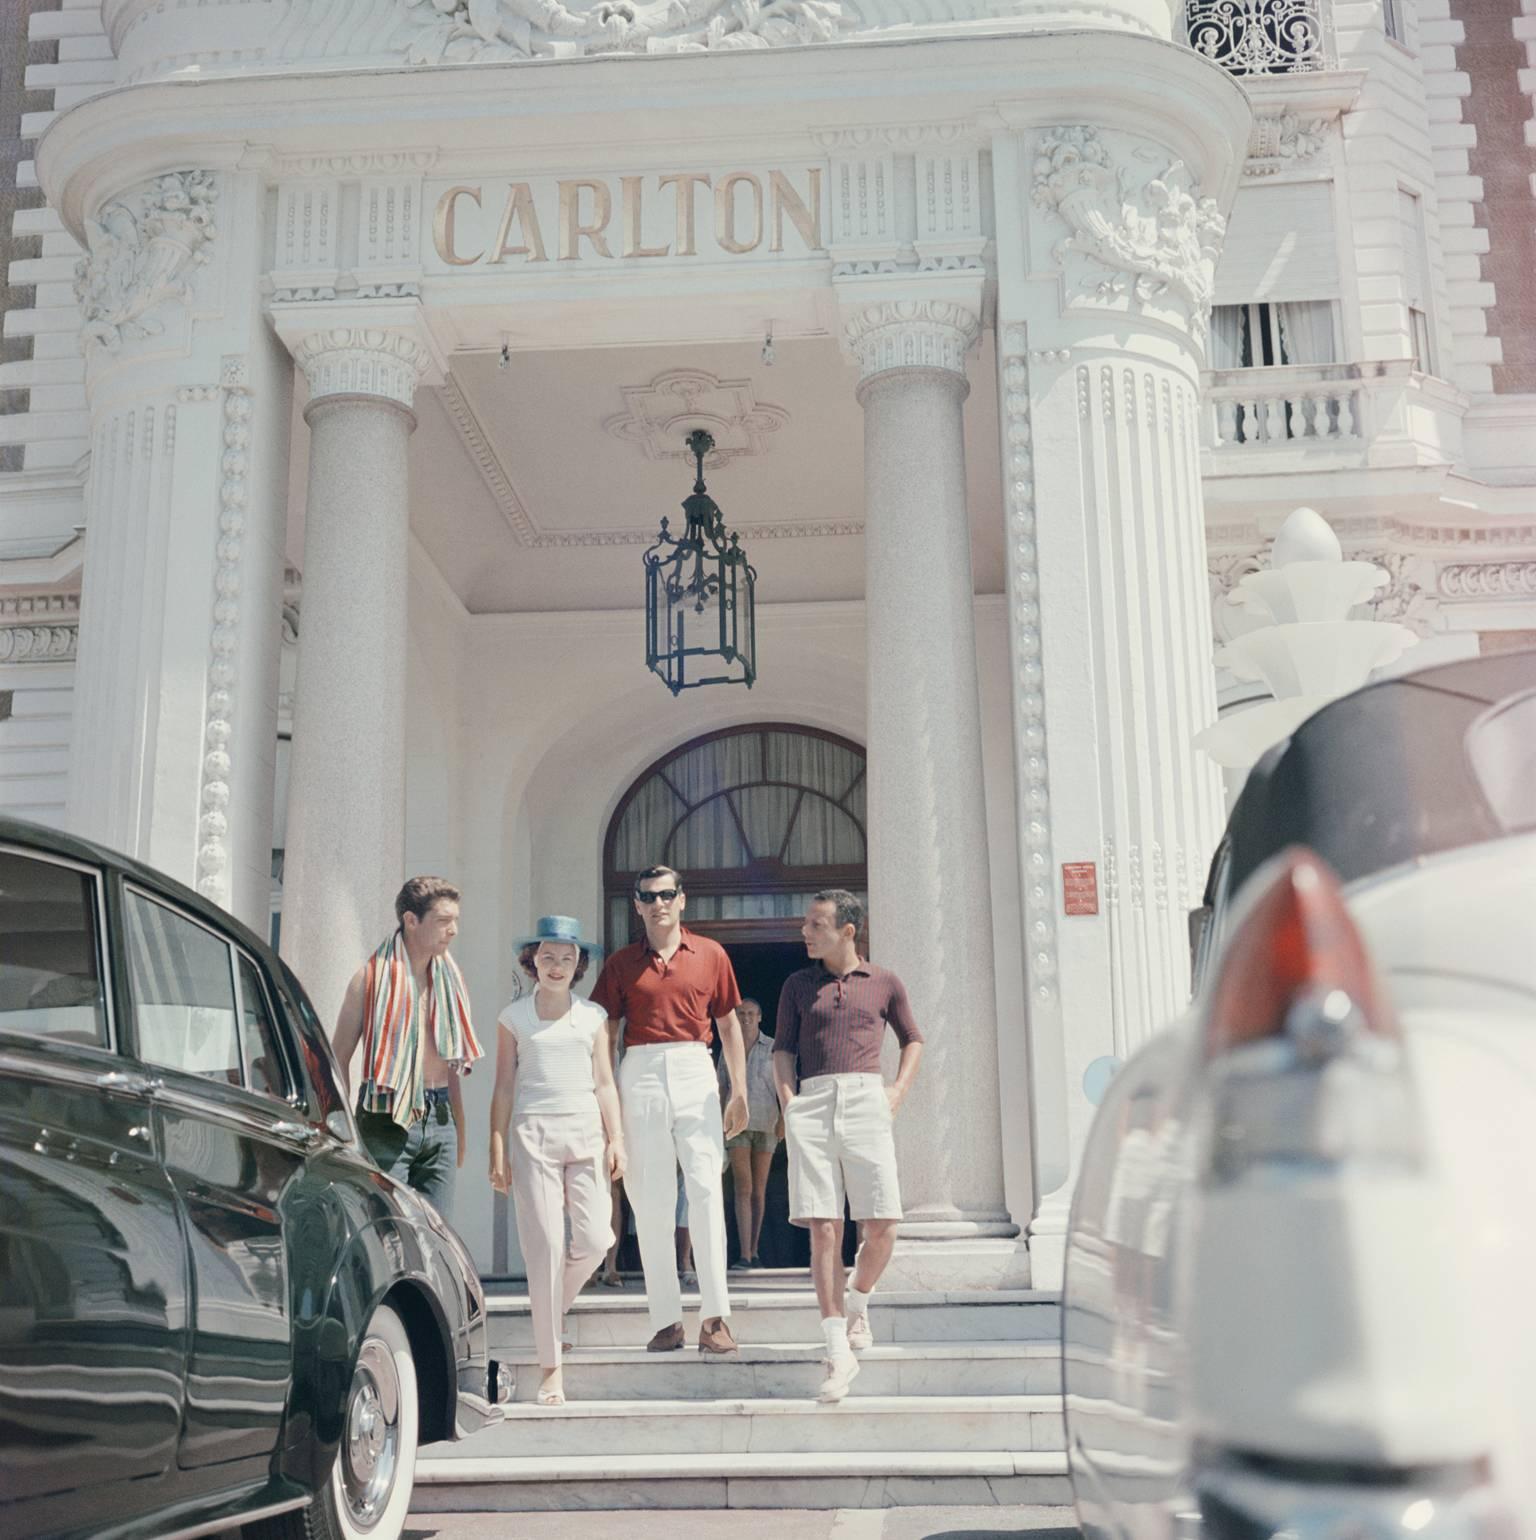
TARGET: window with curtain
(756,819)
(1263,335)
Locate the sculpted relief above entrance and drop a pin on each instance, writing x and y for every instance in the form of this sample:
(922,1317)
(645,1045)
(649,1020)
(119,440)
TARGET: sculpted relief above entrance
(466,30)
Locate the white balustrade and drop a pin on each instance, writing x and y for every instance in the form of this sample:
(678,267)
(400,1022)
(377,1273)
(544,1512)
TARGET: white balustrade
(1297,405)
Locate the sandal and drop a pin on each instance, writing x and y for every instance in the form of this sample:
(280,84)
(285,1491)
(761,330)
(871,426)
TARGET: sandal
(550,1398)
(611,1281)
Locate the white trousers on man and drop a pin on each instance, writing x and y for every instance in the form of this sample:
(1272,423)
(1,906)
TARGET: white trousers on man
(671,1101)
(558,1175)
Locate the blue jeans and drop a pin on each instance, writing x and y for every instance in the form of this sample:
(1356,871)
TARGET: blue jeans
(427,1134)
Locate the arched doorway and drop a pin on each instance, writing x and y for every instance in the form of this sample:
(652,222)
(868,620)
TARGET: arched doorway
(757,820)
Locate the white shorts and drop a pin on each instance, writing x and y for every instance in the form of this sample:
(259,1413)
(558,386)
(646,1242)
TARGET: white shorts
(838,1129)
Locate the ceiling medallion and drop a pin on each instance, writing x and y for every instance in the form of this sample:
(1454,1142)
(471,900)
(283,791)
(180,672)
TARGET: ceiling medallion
(662,414)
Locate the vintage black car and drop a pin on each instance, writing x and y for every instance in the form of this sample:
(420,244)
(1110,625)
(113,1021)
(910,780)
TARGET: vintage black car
(215,1311)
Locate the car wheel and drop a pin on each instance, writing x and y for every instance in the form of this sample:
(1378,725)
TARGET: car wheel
(369,1488)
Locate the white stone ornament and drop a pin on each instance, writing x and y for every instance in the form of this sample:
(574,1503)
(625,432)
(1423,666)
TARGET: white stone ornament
(1281,141)
(911,334)
(145,248)
(1158,237)
(362,361)
(488,30)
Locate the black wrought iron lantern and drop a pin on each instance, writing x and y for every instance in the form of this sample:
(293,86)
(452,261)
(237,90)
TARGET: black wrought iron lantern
(700,611)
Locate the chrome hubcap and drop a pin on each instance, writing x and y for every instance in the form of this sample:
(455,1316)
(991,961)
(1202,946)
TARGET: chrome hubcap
(371,1446)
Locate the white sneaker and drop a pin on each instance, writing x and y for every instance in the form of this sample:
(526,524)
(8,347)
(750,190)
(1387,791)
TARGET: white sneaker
(841,1373)
(859,1334)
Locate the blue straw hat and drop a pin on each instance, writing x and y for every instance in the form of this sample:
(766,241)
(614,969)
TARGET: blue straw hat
(559,927)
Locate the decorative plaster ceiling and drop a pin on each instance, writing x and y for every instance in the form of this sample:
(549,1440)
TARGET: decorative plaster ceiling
(662,414)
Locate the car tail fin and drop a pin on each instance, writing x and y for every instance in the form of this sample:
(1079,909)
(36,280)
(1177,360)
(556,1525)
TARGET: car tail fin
(1303,1050)
(1296,967)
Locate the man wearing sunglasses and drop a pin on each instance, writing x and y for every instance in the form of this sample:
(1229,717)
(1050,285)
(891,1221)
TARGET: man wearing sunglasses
(670,991)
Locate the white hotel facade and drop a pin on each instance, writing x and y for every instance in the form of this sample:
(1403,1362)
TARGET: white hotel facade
(350,353)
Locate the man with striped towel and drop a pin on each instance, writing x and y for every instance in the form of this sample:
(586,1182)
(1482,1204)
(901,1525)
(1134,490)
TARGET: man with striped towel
(409,1008)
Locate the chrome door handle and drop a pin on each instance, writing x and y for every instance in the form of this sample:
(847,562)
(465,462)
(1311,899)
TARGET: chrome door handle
(302,1131)
(125,1080)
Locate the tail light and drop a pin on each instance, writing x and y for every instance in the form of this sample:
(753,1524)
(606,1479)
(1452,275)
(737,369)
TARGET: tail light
(1299,1034)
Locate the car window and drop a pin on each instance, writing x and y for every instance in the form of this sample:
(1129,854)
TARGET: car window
(258,1033)
(183,992)
(1501,746)
(50,960)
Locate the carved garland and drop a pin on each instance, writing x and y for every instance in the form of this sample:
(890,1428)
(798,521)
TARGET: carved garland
(218,731)
(145,249)
(39,628)
(463,31)
(1158,238)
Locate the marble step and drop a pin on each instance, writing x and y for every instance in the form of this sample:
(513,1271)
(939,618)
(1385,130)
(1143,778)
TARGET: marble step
(790,1315)
(862,1423)
(950,1478)
(793,1369)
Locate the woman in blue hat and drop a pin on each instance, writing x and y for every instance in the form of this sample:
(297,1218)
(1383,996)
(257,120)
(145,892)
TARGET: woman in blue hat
(556,1135)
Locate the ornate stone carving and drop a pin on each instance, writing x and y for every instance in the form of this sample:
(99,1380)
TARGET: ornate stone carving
(1409,595)
(661,413)
(1488,580)
(1039,871)
(911,334)
(39,627)
(145,249)
(362,361)
(1156,237)
(465,30)
(1280,141)
(1226,569)
(218,728)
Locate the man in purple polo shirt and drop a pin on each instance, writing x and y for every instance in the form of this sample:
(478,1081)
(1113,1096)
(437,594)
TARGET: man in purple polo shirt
(837,1117)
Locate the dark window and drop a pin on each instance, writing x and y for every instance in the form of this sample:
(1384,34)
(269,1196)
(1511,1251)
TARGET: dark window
(50,961)
(258,1034)
(183,993)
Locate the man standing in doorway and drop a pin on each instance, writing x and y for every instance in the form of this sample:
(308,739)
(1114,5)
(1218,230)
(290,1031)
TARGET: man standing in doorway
(409,1008)
(668,991)
(838,1113)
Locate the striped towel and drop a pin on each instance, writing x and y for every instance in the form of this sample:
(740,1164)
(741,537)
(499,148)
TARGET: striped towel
(394,1056)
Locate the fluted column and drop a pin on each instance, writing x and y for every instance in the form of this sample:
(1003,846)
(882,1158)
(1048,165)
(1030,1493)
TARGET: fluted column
(346,795)
(175,705)
(1107,242)
(928,861)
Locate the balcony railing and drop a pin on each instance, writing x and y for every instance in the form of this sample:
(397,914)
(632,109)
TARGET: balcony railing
(1261,37)
(1301,406)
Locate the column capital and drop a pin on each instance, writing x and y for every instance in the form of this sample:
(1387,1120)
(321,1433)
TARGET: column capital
(919,332)
(362,361)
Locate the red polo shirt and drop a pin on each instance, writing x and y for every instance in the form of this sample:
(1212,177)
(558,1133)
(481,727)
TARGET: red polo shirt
(668,1002)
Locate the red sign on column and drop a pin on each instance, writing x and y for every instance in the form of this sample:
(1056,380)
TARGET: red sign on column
(1080,887)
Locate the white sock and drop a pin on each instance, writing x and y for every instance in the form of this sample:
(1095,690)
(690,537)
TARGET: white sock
(835,1330)
(858,1304)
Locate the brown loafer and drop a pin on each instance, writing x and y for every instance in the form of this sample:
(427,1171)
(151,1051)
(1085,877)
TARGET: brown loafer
(715,1336)
(668,1340)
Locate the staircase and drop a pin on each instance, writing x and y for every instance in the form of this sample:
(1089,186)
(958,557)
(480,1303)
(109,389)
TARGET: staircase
(957,1403)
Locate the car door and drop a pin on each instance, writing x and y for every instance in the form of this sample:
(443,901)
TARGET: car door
(233,1145)
(93,1277)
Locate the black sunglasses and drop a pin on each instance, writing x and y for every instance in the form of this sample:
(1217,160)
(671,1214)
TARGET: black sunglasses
(664,895)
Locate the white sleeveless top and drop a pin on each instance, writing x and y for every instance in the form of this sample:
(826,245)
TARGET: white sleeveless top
(554,1058)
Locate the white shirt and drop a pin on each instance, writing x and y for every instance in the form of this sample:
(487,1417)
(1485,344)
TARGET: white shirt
(554,1058)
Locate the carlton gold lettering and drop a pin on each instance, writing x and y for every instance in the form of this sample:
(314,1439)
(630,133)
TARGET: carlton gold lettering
(442,225)
(807,220)
(725,213)
(685,182)
(633,222)
(571,227)
(520,209)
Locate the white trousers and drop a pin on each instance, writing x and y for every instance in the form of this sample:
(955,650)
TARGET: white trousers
(558,1173)
(671,1102)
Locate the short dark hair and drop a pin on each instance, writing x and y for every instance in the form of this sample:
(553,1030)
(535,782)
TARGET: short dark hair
(527,953)
(849,908)
(420,893)
(652,872)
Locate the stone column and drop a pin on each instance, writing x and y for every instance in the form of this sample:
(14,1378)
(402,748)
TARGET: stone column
(1106,252)
(346,792)
(928,864)
(174,732)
